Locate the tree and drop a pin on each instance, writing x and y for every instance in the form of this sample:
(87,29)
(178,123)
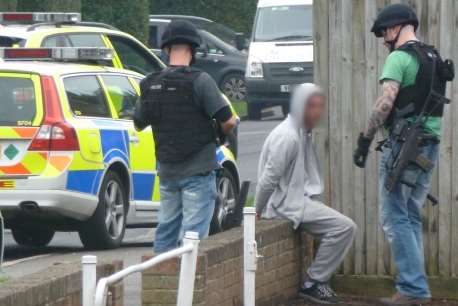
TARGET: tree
(8,5)
(129,16)
(49,5)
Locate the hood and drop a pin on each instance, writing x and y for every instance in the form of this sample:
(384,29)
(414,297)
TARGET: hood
(282,52)
(299,99)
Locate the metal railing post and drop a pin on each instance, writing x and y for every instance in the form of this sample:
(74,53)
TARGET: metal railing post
(250,256)
(89,279)
(188,270)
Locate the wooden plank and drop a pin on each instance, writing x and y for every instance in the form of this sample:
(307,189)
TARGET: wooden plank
(432,212)
(358,123)
(335,107)
(445,177)
(321,77)
(371,179)
(454,165)
(347,122)
(383,247)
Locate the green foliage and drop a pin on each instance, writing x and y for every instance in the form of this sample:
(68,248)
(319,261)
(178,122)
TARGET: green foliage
(237,14)
(49,5)
(8,5)
(129,16)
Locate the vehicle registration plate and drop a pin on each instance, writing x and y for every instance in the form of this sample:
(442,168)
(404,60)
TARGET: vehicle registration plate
(285,88)
(7,184)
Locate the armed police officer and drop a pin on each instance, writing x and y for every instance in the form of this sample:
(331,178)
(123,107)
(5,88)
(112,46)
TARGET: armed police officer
(411,106)
(181,103)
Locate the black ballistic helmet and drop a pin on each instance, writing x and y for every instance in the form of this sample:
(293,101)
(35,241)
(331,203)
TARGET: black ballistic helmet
(181,32)
(393,15)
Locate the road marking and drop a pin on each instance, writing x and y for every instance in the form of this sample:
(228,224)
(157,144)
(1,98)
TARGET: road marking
(21,260)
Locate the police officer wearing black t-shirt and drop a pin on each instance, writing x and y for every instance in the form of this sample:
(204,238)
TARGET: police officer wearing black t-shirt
(181,103)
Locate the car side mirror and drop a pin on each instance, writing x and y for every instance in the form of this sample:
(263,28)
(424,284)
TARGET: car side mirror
(240,41)
(203,49)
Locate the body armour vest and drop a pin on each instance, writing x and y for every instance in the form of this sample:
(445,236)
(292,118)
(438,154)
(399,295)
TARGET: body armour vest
(180,125)
(427,96)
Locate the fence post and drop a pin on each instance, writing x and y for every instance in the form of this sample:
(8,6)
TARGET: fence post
(250,255)
(188,270)
(89,279)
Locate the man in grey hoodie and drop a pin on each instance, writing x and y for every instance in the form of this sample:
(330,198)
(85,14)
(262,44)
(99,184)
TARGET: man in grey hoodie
(289,183)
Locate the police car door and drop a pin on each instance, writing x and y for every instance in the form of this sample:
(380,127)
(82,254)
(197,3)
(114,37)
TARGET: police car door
(123,94)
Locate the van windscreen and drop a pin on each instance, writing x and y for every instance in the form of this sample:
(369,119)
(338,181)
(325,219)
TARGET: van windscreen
(284,23)
(17,101)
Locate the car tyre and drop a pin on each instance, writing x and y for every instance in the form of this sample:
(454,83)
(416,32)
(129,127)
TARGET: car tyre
(228,212)
(234,87)
(32,236)
(254,111)
(106,228)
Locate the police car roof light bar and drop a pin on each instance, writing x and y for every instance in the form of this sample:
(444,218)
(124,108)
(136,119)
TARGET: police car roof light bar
(32,17)
(57,54)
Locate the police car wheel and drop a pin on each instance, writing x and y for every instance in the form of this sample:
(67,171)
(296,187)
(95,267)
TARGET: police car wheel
(106,228)
(226,210)
(32,236)
(234,86)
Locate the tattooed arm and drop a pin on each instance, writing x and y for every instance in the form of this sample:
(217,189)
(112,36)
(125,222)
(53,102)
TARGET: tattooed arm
(383,107)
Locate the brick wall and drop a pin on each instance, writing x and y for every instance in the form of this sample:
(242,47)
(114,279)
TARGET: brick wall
(57,286)
(220,269)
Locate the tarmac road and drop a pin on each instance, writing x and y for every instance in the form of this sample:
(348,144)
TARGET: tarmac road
(66,247)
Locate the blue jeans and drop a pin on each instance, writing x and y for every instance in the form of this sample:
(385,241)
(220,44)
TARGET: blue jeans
(400,216)
(186,205)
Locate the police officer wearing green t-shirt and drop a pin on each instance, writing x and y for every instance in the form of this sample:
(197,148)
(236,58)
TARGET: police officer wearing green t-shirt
(413,76)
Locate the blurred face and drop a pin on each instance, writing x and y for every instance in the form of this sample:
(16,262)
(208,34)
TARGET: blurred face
(314,110)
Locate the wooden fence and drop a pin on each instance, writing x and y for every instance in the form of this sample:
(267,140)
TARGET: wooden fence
(348,62)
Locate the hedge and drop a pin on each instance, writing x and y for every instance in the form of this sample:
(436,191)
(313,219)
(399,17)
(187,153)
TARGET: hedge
(130,16)
(237,14)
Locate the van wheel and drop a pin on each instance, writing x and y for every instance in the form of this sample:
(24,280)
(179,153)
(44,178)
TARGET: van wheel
(106,228)
(234,86)
(32,236)
(227,213)
(254,111)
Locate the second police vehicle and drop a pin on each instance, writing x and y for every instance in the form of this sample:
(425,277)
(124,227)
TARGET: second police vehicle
(70,159)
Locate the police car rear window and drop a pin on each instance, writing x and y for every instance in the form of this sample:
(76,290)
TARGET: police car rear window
(17,101)
(85,96)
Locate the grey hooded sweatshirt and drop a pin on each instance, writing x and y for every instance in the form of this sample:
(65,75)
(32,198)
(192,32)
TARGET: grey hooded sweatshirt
(288,173)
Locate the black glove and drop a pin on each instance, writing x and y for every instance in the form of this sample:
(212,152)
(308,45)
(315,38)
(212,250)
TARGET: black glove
(361,152)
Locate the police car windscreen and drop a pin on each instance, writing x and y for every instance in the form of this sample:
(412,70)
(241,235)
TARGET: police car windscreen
(284,23)
(17,101)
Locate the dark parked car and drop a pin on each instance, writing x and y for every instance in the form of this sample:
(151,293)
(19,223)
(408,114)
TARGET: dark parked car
(218,55)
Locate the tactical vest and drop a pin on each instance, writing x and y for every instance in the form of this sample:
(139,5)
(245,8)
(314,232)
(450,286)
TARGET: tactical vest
(427,96)
(180,125)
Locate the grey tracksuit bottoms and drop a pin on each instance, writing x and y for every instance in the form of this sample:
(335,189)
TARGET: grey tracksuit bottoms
(336,232)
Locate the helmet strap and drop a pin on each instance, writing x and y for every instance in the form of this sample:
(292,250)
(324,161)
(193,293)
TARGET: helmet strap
(393,42)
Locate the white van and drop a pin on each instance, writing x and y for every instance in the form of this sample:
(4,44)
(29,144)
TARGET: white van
(281,53)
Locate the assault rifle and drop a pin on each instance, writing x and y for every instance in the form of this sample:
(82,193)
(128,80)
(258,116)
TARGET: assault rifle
(411,137)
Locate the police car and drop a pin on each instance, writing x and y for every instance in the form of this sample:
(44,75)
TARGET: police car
(70,160)
(34,30)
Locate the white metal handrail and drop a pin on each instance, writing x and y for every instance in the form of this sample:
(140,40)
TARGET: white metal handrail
(95,294)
